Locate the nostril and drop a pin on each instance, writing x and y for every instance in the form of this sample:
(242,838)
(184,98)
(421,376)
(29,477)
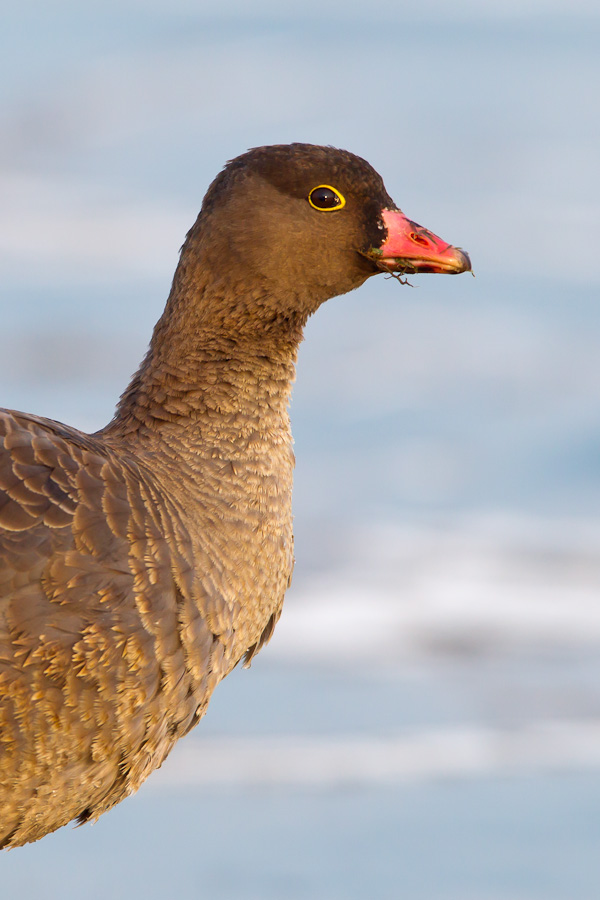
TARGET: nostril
(419,239)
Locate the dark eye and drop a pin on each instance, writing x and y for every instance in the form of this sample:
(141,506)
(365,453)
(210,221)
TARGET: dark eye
(326,198)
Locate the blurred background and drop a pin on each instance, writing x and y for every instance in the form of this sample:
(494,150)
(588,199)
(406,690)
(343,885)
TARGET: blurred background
(426,720)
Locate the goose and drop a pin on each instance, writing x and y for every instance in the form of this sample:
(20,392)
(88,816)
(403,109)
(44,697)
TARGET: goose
(141,563)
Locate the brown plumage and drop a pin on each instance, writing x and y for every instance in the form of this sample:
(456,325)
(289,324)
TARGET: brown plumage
(138,565)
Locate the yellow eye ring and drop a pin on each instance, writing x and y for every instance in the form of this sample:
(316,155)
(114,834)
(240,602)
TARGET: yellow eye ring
(326,198)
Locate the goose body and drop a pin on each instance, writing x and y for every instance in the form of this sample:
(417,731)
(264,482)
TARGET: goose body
(140,564)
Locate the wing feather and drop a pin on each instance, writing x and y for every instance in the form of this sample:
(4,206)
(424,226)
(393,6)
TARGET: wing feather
(94,626)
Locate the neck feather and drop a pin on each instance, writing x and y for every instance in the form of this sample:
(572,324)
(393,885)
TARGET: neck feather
(212,361)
